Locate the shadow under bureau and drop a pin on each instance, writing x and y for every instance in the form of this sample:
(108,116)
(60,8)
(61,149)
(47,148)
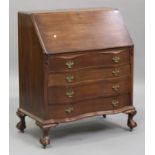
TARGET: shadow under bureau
(74,64)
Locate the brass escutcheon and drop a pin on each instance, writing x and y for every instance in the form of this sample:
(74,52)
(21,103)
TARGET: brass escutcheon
(70,93)
(115,103)
(116,59)
(116,87)
(69,110)
(115,72)
(69,78)
(70,64)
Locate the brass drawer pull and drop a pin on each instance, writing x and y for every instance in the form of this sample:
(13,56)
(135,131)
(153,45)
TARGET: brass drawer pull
(70,64)
(115,103)
(69,110)
(115,72)
(70,78)
(70,93)
(116,87)
(116,59)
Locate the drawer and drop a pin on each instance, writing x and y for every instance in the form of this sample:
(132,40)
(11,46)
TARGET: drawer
(68,62)
(77,92)
(89,106)
(69,78)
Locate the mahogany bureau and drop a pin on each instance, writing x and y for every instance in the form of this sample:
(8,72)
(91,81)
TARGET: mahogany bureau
(74,64)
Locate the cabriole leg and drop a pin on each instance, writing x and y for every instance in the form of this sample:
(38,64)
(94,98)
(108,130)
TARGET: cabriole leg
(21,125)
(131,123)
(45,139)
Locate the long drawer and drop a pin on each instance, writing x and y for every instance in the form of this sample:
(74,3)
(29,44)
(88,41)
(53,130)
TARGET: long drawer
(88,106)
(69,78)
(69,62)
(68,94)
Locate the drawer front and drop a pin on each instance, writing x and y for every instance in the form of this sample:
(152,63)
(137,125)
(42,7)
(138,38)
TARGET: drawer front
(69,78)
(71,62)
(88,106)
(77,92)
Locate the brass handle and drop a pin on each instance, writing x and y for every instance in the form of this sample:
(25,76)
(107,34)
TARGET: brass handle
(70,64)
(116,59)
(69,110)
(115,72)
(115,103)
(70,78)
(70,93)
(116,87)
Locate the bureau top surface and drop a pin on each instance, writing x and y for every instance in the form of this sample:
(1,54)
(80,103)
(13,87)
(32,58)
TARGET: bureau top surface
(80,30)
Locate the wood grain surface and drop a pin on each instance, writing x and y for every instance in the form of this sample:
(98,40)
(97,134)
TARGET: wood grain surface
(81,30)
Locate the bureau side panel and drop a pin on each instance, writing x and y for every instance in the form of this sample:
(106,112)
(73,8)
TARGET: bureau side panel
(31,91)
(132,73)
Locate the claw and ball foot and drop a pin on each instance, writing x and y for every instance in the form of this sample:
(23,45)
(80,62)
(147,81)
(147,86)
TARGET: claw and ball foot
(104,116)
(131,123)
(21,125)
(45,139)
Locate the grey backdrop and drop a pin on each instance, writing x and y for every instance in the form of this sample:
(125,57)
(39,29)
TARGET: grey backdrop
(89,136)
